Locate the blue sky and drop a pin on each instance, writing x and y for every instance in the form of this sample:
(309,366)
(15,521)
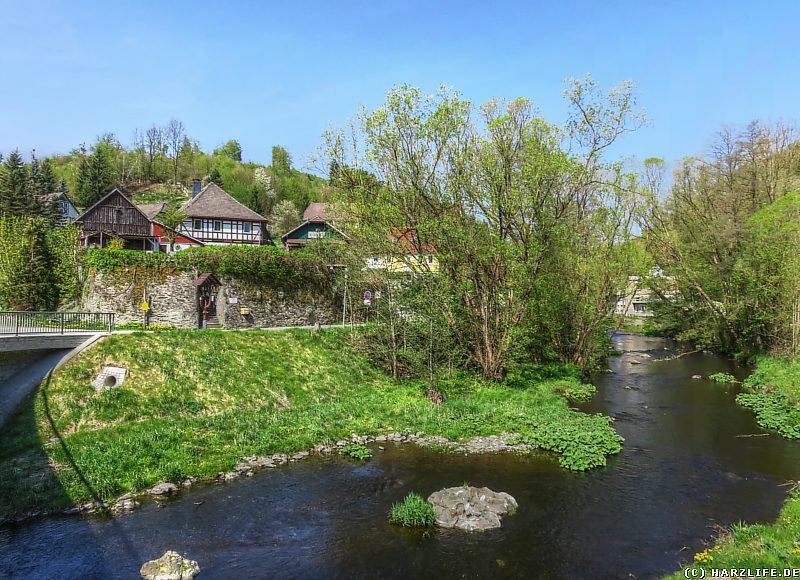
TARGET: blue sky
(270,73)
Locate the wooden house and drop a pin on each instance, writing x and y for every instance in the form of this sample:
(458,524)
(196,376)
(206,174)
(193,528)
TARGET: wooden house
(216,218)
(63,206)
(315,226)
(116,216)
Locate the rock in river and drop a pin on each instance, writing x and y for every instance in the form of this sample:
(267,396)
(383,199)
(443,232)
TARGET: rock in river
(170,566)
(470,508)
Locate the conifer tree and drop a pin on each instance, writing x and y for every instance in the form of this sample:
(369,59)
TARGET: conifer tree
(14,195)
(95,175)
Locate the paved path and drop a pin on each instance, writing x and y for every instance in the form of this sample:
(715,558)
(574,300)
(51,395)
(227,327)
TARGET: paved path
(14,390)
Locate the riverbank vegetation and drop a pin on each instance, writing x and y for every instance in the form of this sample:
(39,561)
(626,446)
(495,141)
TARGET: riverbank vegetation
(196,402)
(759,546)
(517,233)
(726,238)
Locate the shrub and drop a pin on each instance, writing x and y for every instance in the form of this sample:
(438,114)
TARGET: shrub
(356,451)
(722,378)
(413,511)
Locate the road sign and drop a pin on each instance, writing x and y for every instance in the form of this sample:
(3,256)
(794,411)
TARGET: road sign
(367,295)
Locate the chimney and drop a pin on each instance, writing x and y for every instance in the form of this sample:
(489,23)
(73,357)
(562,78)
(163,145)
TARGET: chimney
(196,183)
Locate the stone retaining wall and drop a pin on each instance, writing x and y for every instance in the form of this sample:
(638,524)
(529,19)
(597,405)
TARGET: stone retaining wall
(173,300)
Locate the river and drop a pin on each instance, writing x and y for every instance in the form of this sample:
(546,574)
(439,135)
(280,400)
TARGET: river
(685,471)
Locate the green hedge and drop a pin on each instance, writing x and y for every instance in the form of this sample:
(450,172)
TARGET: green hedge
(259,263)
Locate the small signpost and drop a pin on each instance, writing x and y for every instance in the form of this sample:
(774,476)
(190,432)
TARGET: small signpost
(145,308)
(367,298)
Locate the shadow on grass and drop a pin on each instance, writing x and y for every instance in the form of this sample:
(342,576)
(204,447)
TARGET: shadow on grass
(91,492)
(29,485)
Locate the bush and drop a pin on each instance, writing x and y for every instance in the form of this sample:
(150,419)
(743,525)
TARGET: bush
(356,451)
(413,511)
(722,378)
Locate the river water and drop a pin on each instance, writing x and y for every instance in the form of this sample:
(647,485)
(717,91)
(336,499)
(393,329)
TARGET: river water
(685,471)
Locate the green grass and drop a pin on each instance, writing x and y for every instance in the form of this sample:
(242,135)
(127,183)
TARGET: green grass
(196,402)
(755,547)
(413,511)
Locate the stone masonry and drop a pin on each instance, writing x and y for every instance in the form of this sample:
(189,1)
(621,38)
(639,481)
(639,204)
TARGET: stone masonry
(173,300)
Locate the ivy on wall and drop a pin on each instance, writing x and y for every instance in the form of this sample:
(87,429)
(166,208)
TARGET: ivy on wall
(264,264)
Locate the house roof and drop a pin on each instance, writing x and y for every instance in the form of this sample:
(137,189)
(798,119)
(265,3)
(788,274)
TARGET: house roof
(317,209)
(410,242)
(215,202)
(102,200)
(151,210)
(51,197)
(202,278)
(315,220)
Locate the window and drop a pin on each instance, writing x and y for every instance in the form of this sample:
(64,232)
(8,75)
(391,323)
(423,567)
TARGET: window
(639,307)
(217,226)
(198,224)
(247,227)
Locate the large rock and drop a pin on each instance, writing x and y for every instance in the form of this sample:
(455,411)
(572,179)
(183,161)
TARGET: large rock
(170,566)
(470,508)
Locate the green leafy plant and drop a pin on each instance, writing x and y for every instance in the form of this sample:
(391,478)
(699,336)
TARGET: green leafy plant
(413,511)
(356,451)
(722,378)
(581,392)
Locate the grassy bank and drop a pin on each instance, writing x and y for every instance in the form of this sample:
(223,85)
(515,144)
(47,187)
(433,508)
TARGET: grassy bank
(773,393)
(755,547)
(195,402)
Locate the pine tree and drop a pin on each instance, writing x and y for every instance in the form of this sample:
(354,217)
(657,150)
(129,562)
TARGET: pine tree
(95,175)
(15,198)
(47,178)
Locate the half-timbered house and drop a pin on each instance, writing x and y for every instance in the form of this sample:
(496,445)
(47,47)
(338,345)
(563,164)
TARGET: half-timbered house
(216,218)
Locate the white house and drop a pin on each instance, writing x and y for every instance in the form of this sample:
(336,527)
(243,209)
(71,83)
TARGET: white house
(216,218)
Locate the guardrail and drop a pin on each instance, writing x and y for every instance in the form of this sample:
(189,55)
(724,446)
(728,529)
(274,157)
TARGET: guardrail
(18,323)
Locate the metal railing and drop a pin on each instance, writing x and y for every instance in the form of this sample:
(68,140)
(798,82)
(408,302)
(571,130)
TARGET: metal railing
(17,323)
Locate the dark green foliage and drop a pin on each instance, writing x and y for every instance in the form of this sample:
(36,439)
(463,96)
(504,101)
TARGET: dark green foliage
(26,273)
(96,175)
(722,378)
(413,511)
(15,196)
(39,265)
